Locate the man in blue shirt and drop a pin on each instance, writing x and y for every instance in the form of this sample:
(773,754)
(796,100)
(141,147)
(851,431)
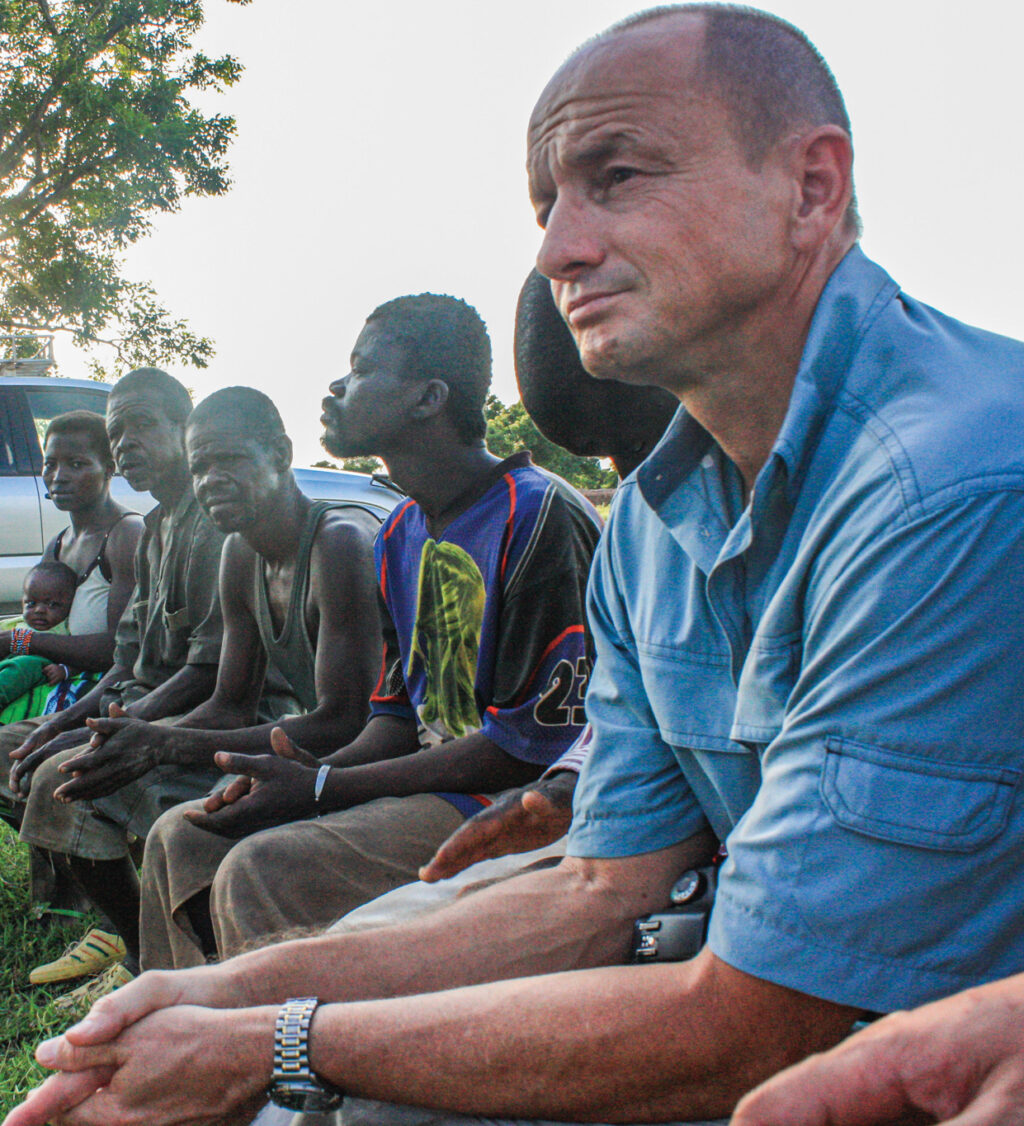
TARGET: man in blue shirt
(809,614)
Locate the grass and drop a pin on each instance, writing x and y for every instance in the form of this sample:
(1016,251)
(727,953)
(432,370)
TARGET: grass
(26,1013)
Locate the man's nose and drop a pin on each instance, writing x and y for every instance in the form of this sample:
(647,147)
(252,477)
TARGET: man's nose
(572,241)
(125,441)
(337,388)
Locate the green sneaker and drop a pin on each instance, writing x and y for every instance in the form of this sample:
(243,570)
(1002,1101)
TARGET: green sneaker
(81,959)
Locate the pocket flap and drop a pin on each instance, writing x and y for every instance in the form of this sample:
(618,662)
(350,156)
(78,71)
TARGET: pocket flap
(916,801)
(177,619)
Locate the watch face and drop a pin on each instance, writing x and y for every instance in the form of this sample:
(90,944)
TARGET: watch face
(299,1095)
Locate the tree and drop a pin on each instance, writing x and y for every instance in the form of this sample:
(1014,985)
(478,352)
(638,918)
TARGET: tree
(510,428)
(355,464)
(97,137)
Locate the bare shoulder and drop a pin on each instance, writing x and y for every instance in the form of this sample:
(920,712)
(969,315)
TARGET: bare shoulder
(345,530)
(342,552)
(124,536)
(237,558)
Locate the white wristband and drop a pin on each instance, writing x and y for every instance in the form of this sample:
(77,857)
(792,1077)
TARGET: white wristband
(321,778)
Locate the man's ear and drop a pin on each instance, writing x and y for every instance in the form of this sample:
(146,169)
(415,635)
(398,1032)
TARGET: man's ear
(433,398)
(282,453)
(822,165)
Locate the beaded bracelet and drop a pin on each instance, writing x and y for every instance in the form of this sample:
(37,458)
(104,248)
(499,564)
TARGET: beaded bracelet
(21,640)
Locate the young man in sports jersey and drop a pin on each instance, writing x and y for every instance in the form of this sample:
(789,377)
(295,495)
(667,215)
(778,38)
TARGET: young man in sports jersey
(300,629)
(482,574)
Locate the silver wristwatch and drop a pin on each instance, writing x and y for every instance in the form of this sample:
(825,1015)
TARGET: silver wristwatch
(294,1084)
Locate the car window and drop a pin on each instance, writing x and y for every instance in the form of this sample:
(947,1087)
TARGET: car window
(46,403)
(16,456)
(7,463)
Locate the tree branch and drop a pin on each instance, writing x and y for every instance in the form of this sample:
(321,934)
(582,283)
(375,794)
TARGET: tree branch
(44,8)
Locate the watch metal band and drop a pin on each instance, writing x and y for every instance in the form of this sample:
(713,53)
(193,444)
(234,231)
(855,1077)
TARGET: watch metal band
(321,778)
(291,1039)
(294,1084)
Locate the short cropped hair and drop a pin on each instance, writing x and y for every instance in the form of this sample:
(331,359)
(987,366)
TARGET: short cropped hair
(60,573)
(242,408)
(173,396)
(768,74)
(443,338)
(88,423)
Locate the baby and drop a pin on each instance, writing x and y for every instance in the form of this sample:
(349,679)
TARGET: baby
(46,601)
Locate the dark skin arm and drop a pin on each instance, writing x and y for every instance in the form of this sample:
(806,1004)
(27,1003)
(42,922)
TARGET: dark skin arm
(518,821)
(342,604)
(180,692)
(62,730)
(282,785)
(71,728)
(94,652)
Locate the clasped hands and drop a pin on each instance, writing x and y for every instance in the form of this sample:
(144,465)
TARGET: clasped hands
(156,1052)
(270,790)
(119,750)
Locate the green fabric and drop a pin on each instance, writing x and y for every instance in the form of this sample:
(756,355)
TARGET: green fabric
(28,704)
(19,675)
(23,688)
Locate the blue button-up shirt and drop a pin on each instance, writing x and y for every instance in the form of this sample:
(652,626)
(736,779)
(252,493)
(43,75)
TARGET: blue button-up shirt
(831,676)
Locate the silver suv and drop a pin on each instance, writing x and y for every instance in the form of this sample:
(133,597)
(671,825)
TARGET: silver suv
(28,520)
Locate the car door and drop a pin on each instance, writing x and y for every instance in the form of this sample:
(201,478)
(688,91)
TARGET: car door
(21,533)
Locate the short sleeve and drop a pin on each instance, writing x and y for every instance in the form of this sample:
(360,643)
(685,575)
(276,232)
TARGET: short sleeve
(879,863)
(390,696)
(631,797)
(542,655)
(127,638)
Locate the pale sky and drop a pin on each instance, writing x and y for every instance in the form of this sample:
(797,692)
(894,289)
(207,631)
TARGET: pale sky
(380,151)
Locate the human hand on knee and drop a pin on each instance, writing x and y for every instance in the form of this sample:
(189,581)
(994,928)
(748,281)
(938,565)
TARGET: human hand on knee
(518,821)
(179,1064)
(117,754)
(46,741)
(273,790)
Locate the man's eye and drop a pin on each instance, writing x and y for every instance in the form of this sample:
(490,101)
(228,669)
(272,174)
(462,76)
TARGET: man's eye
(621,175)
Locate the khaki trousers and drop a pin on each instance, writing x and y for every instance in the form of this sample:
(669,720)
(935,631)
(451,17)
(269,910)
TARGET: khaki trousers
(11,737)
(96,830)
(278,883)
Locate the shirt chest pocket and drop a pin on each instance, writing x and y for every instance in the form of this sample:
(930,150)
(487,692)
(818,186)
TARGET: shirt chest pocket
(766,680)
(691,695)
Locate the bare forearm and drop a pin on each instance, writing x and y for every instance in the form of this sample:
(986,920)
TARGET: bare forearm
(187,688)
(196,745)
(560,918)
(383,737)
(473,764)
(610,1044)
(93,652)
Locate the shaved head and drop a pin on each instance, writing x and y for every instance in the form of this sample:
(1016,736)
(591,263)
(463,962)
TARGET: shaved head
(766,72)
